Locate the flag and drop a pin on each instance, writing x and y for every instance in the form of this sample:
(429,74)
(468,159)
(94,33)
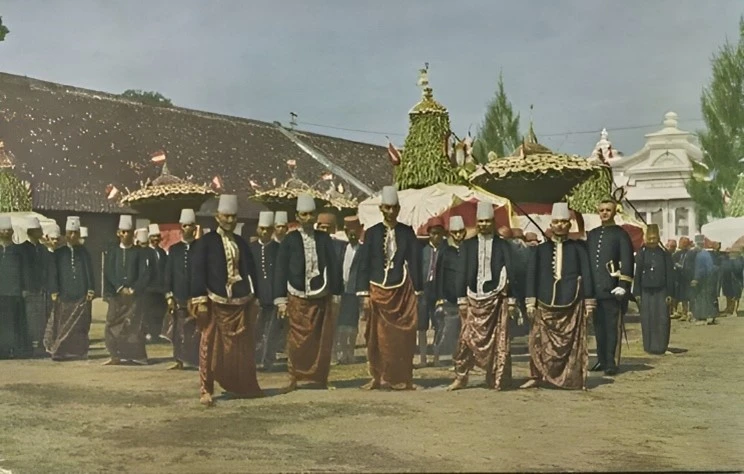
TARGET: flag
(327,176)
(254,184)
(111,192)
(217,182)
(393,153)
(292,163)
(158,156)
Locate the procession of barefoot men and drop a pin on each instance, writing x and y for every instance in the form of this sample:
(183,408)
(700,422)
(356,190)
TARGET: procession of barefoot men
(229,306)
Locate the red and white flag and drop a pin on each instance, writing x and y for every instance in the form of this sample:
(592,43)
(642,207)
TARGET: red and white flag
(112,192)
(327,176)
(158,156)
(291,163)
(393,153)
(217,182)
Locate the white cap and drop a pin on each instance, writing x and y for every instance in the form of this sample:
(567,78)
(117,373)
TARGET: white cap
(560,211)
(305,203)
(83,232)
(141,235)
(389,196)
(5,223)
(484,211)
(32,223)
(456,223)
(228,204)
(73,223)
(53,232)
(265,219)
(280,218)
(188,216)
(125,223)
(153,229)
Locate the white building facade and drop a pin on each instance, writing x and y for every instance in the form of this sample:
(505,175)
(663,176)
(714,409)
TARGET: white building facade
(655,178)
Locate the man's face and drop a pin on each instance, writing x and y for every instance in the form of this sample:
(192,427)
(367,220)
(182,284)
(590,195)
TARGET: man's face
(188,230)
(329,229)
(306,219)
(352,235)
(53,242)
(6,234)
(672,245)
(280,230)
(436,235)
(652,240)
(155,240)
(73,237)
(458,235)
(227,222)
(560,227)
(606,212)
(485,226)
(389,213)
(126,237)
(34,234)
(264,233)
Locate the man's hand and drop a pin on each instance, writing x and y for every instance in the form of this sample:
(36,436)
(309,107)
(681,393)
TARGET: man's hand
(365,303)
(54,296)
(693,283)
(89,296)
(281,310)
(531,313)
(668,300)
(618,292)
(171,304)
(590,311)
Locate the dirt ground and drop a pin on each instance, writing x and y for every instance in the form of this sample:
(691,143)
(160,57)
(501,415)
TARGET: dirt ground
(675,412)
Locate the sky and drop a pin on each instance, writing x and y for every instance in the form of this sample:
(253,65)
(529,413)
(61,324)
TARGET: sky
(353,64)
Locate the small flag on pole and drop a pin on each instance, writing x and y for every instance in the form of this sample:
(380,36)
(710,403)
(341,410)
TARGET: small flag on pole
(327,176)
(217,182)
(158,156)
(254,184)
(111,192)
(393,153)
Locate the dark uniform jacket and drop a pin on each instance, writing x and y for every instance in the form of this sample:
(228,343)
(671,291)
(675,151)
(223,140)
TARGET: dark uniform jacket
(265,257)
(405,262)
(654,271)
(290,266)
(38,261)
(610,251)
(178,270)
(125,268)
(72,275)
(451,274)
(209,268)
(158,264)
(427,255)
(14,276)
(575,281)
(350,287)
(501,257)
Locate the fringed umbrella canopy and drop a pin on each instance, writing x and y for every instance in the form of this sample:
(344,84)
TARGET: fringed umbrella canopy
(284,197)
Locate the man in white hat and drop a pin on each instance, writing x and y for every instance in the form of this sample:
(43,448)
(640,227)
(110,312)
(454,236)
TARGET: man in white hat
(451,287)
(141,238)
(83,235)
(307,278)
(14,338)
(38,262)
(560,298)
(223,300)
(264,251)
(611,258)
(72,286)
(125,279)
(181,329)
(484,339)
(350,304)
(52,238)
(153,301)
(281,225)
(390,283)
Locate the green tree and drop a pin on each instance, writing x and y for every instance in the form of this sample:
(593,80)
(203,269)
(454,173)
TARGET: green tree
(148,97)
(3,30)
(722,104)
(499,131)
(736,206)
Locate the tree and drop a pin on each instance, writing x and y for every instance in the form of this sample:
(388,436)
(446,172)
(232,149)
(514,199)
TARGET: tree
(499,131)
(722,103)
(3,30)
(153,98)
(736,206)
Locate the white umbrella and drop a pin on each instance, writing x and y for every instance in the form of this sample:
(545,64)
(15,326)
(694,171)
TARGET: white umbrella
(19,221)
(726,230)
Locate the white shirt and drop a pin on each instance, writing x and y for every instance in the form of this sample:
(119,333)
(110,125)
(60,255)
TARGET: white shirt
(348,258)
(485,247)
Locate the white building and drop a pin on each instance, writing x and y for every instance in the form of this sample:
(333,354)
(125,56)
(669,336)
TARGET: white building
(655,178)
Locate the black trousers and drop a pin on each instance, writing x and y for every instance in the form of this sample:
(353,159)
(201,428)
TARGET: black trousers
(607,329)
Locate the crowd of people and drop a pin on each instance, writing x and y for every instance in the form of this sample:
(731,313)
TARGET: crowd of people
(228,305)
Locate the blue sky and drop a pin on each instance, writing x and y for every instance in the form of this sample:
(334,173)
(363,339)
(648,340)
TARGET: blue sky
(584,64)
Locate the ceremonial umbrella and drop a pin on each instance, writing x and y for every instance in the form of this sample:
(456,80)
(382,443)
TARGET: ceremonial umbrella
(284,197)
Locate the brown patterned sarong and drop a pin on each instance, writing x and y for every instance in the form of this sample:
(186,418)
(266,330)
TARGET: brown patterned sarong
(484,341)
(391,333)
(312,326)
(124,332)
(181,330)
(227,349)
(66,335)
(558,348)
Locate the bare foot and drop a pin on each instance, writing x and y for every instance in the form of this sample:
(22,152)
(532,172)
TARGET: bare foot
(457,384)
(329,387)
(177,366)
(290,387)
(531,383)
(112,361)
(371,385)
(206,400)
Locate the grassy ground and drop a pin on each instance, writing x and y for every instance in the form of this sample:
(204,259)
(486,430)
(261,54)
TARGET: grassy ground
(676,412)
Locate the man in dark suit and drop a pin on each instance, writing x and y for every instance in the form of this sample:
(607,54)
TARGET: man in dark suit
(155,306)
(428,316)
(611,253)
(37,300)
(348,319)
(264,252)
(451,287)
